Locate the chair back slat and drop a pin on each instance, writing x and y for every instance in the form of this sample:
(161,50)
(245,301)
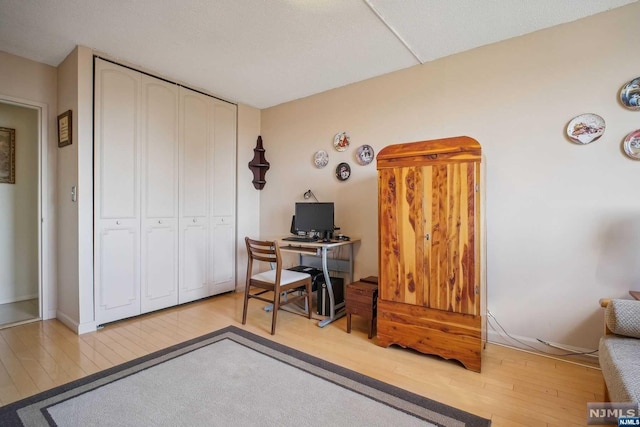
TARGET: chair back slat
(263,250)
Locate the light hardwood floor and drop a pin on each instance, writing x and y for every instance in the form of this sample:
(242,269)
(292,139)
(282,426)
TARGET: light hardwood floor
(515,388)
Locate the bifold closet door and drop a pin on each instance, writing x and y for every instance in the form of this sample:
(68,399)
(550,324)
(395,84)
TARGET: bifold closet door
(159,189)
(223,231)
(117,192)
(194,224)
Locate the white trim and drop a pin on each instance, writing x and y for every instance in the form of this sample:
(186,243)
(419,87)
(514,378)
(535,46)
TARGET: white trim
(78,328)
(43,213)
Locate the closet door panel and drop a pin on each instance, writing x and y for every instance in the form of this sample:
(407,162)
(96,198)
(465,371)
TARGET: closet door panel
(160,267)
(117,195)
(117,118)
(223,197)
(194,263)
(224,159)
(223,254)
(159,278)
(195,152)
(118,273)
(194,195)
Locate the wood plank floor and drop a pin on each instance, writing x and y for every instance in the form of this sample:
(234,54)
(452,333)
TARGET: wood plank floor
(515,388)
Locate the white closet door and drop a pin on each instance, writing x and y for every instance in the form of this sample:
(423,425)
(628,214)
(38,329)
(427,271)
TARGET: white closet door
(223,197)
(194,192)
(159,243)
(117,195)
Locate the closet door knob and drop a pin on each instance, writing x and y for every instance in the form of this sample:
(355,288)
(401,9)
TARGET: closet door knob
(117,222)
(159,221)
(195,219)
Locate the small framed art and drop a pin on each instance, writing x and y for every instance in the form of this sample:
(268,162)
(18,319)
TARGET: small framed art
(65,130)
(7,156)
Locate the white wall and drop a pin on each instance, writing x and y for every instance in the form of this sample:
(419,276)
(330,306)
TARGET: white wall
(19,209)
(75,169)
(561,228)
(67,226)
(34,84)
(248,198)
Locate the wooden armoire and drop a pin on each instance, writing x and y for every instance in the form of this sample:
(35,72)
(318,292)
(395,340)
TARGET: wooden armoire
(431,295)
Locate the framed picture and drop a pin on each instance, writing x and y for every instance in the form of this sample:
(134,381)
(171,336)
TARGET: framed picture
(64,129)
(7,156)
(343,171)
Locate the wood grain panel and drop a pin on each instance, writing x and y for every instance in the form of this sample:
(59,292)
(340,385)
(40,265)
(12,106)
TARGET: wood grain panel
(446,334)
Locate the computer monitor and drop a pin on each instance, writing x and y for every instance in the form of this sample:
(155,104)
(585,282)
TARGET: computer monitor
(315,217)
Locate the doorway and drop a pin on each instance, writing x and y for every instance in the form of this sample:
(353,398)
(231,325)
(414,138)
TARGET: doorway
(20,211)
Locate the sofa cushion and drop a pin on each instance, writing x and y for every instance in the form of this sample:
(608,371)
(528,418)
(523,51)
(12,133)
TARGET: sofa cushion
(620,363)
(623,317)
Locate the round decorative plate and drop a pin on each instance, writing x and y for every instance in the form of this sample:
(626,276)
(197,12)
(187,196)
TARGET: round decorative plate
(585,128)
(632,145)
(365,154)
(630,94)
(321,158)
(341,141)
(343,171)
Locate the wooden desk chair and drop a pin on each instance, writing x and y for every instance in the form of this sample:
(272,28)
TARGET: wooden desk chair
(277,281)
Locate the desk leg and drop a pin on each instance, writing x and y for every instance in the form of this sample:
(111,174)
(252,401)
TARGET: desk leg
(332,302)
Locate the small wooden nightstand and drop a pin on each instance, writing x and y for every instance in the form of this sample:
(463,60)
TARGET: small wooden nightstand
(362,300)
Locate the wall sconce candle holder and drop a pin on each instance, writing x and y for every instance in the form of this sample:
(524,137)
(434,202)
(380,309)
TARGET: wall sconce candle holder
(259,165)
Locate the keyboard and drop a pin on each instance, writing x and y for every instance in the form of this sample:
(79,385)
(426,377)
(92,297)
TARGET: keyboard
(300,239)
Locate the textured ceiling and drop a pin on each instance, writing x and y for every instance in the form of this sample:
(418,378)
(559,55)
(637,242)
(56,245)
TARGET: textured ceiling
(266,52)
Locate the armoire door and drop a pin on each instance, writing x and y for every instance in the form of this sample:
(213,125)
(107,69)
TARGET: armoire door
(451,218)
(117,192)
(159,188)
(433,222)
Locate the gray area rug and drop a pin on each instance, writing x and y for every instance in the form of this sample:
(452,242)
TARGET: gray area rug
(230,378)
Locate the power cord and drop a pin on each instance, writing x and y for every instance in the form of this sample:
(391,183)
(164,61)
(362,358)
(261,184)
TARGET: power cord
(572,353)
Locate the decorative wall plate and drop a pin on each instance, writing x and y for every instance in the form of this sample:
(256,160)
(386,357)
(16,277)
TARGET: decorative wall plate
(632,145)
(585,128)
(341,141)
(365,155)
(321,158)
(343,171)
(630,94)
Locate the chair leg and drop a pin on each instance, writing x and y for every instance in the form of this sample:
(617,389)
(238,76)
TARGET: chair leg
(246,304)
(276,307)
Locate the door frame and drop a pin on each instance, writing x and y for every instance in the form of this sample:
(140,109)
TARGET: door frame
(44,223)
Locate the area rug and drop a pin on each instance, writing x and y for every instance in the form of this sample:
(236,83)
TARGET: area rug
(230,378)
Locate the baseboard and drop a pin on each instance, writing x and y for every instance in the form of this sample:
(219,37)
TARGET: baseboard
(78,328)
(18,299)
(532,345)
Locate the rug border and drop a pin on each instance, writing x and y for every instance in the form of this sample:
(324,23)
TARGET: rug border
(9,414)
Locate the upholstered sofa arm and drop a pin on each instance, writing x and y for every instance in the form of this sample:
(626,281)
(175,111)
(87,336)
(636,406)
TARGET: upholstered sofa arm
(623,317)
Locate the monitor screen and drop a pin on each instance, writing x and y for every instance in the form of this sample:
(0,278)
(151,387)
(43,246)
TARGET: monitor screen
(316,217)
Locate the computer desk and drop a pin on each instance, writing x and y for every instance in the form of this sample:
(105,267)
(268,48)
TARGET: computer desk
(315,254)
